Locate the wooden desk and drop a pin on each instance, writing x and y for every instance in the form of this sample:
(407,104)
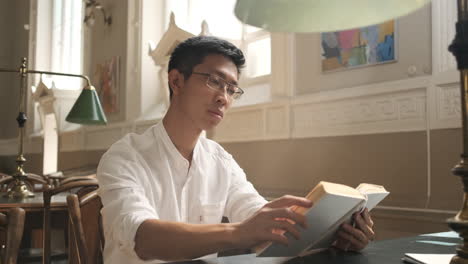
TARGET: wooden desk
(34,206)
(379,252)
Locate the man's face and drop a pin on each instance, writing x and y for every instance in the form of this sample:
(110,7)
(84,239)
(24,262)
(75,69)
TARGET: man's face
(203,106)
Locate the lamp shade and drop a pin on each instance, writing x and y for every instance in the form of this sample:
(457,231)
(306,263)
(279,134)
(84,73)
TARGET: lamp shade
(321,15)
(87,109)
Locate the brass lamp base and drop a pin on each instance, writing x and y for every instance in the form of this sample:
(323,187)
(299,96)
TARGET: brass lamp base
(459,223)
(19,190)
(461,227)
(457,260)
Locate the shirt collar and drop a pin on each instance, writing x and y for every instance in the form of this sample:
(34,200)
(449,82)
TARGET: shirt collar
(161,132)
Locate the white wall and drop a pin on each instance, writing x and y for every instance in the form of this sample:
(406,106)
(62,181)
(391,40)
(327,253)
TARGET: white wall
(13,16)
(376,99)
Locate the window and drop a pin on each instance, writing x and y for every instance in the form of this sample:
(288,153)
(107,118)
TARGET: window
(67,42)
(257,45)
(58,48)
(254,42)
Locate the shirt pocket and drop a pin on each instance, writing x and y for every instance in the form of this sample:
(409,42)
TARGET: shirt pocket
(211,213)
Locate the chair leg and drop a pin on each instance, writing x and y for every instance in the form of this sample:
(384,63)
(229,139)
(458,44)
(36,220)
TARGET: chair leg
(46,234)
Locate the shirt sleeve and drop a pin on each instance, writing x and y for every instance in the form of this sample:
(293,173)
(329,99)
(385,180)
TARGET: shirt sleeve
(243,200)
(125,205)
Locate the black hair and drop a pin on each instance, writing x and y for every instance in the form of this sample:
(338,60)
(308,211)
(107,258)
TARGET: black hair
(192,51)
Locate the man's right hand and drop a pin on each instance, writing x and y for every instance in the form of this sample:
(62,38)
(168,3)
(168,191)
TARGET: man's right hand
(271,222)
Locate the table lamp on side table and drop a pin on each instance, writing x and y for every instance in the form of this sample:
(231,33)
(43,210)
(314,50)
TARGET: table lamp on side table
(86,110)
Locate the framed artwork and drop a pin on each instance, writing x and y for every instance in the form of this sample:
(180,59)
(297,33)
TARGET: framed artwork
(358,47)
(108,84)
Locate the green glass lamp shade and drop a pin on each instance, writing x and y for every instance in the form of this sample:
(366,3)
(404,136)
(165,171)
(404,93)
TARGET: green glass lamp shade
(87,109)
(321,15)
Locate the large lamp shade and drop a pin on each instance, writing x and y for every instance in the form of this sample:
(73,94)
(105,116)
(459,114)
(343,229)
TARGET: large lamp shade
(87,109)
(321,15)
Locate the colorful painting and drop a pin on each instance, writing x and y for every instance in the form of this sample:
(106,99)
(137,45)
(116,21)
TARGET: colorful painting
(358,47)
(107,85)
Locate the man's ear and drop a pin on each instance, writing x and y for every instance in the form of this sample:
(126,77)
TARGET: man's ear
(176,81)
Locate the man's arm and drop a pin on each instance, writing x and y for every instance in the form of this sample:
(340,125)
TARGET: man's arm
(169,241)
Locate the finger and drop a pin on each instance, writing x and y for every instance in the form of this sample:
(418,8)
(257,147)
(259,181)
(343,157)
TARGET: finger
(289,215)
(286,226)
(349,241)
(289,200)
(367,218)
(279,238)
(341,244)
(362,225)
(355,233)
(345,245)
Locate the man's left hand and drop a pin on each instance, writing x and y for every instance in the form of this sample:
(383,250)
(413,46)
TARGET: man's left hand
(356,237)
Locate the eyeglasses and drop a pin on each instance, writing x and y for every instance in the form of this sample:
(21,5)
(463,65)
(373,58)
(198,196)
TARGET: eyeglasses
(219,84)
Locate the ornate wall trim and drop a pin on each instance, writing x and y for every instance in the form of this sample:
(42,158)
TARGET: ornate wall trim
(382,108)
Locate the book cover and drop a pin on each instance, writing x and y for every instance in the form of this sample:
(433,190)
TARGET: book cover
(333,205)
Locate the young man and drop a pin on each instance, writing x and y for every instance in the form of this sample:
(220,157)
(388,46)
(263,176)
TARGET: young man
(164,192)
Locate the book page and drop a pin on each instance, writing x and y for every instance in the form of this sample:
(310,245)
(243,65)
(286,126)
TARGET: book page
(375,194)
(427,258)
(370,188)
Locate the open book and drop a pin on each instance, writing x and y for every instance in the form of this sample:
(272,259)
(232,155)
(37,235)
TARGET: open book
(427,258)
(334,204)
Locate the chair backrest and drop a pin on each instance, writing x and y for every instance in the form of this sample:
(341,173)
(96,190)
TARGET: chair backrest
(87,231)
(13,223)
(67,180)
(74,185)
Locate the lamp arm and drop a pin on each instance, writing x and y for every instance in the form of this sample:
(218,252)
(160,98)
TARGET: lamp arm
(10,70)
(49,73)
(63,74)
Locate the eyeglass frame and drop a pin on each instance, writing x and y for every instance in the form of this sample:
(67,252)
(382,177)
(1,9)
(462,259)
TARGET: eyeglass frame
(235,95)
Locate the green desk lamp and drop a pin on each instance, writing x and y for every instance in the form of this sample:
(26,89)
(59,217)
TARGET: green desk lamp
(86,110)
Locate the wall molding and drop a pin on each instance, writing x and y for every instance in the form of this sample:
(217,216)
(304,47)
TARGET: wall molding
(382,108)
(446,106)
(415,104)
(388,107)
(81,139)
(258,122)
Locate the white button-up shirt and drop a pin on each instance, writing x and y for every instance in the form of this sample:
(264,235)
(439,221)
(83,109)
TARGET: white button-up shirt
(145,177)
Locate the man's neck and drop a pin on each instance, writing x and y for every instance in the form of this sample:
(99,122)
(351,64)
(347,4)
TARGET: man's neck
(183,134)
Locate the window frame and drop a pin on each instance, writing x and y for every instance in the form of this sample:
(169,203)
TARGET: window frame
(249,38)
(246,39)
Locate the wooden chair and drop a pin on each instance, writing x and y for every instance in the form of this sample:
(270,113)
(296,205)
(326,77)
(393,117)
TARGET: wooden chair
(77,178)
(87,231)
(13,224)
(58,179)
(71,186)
